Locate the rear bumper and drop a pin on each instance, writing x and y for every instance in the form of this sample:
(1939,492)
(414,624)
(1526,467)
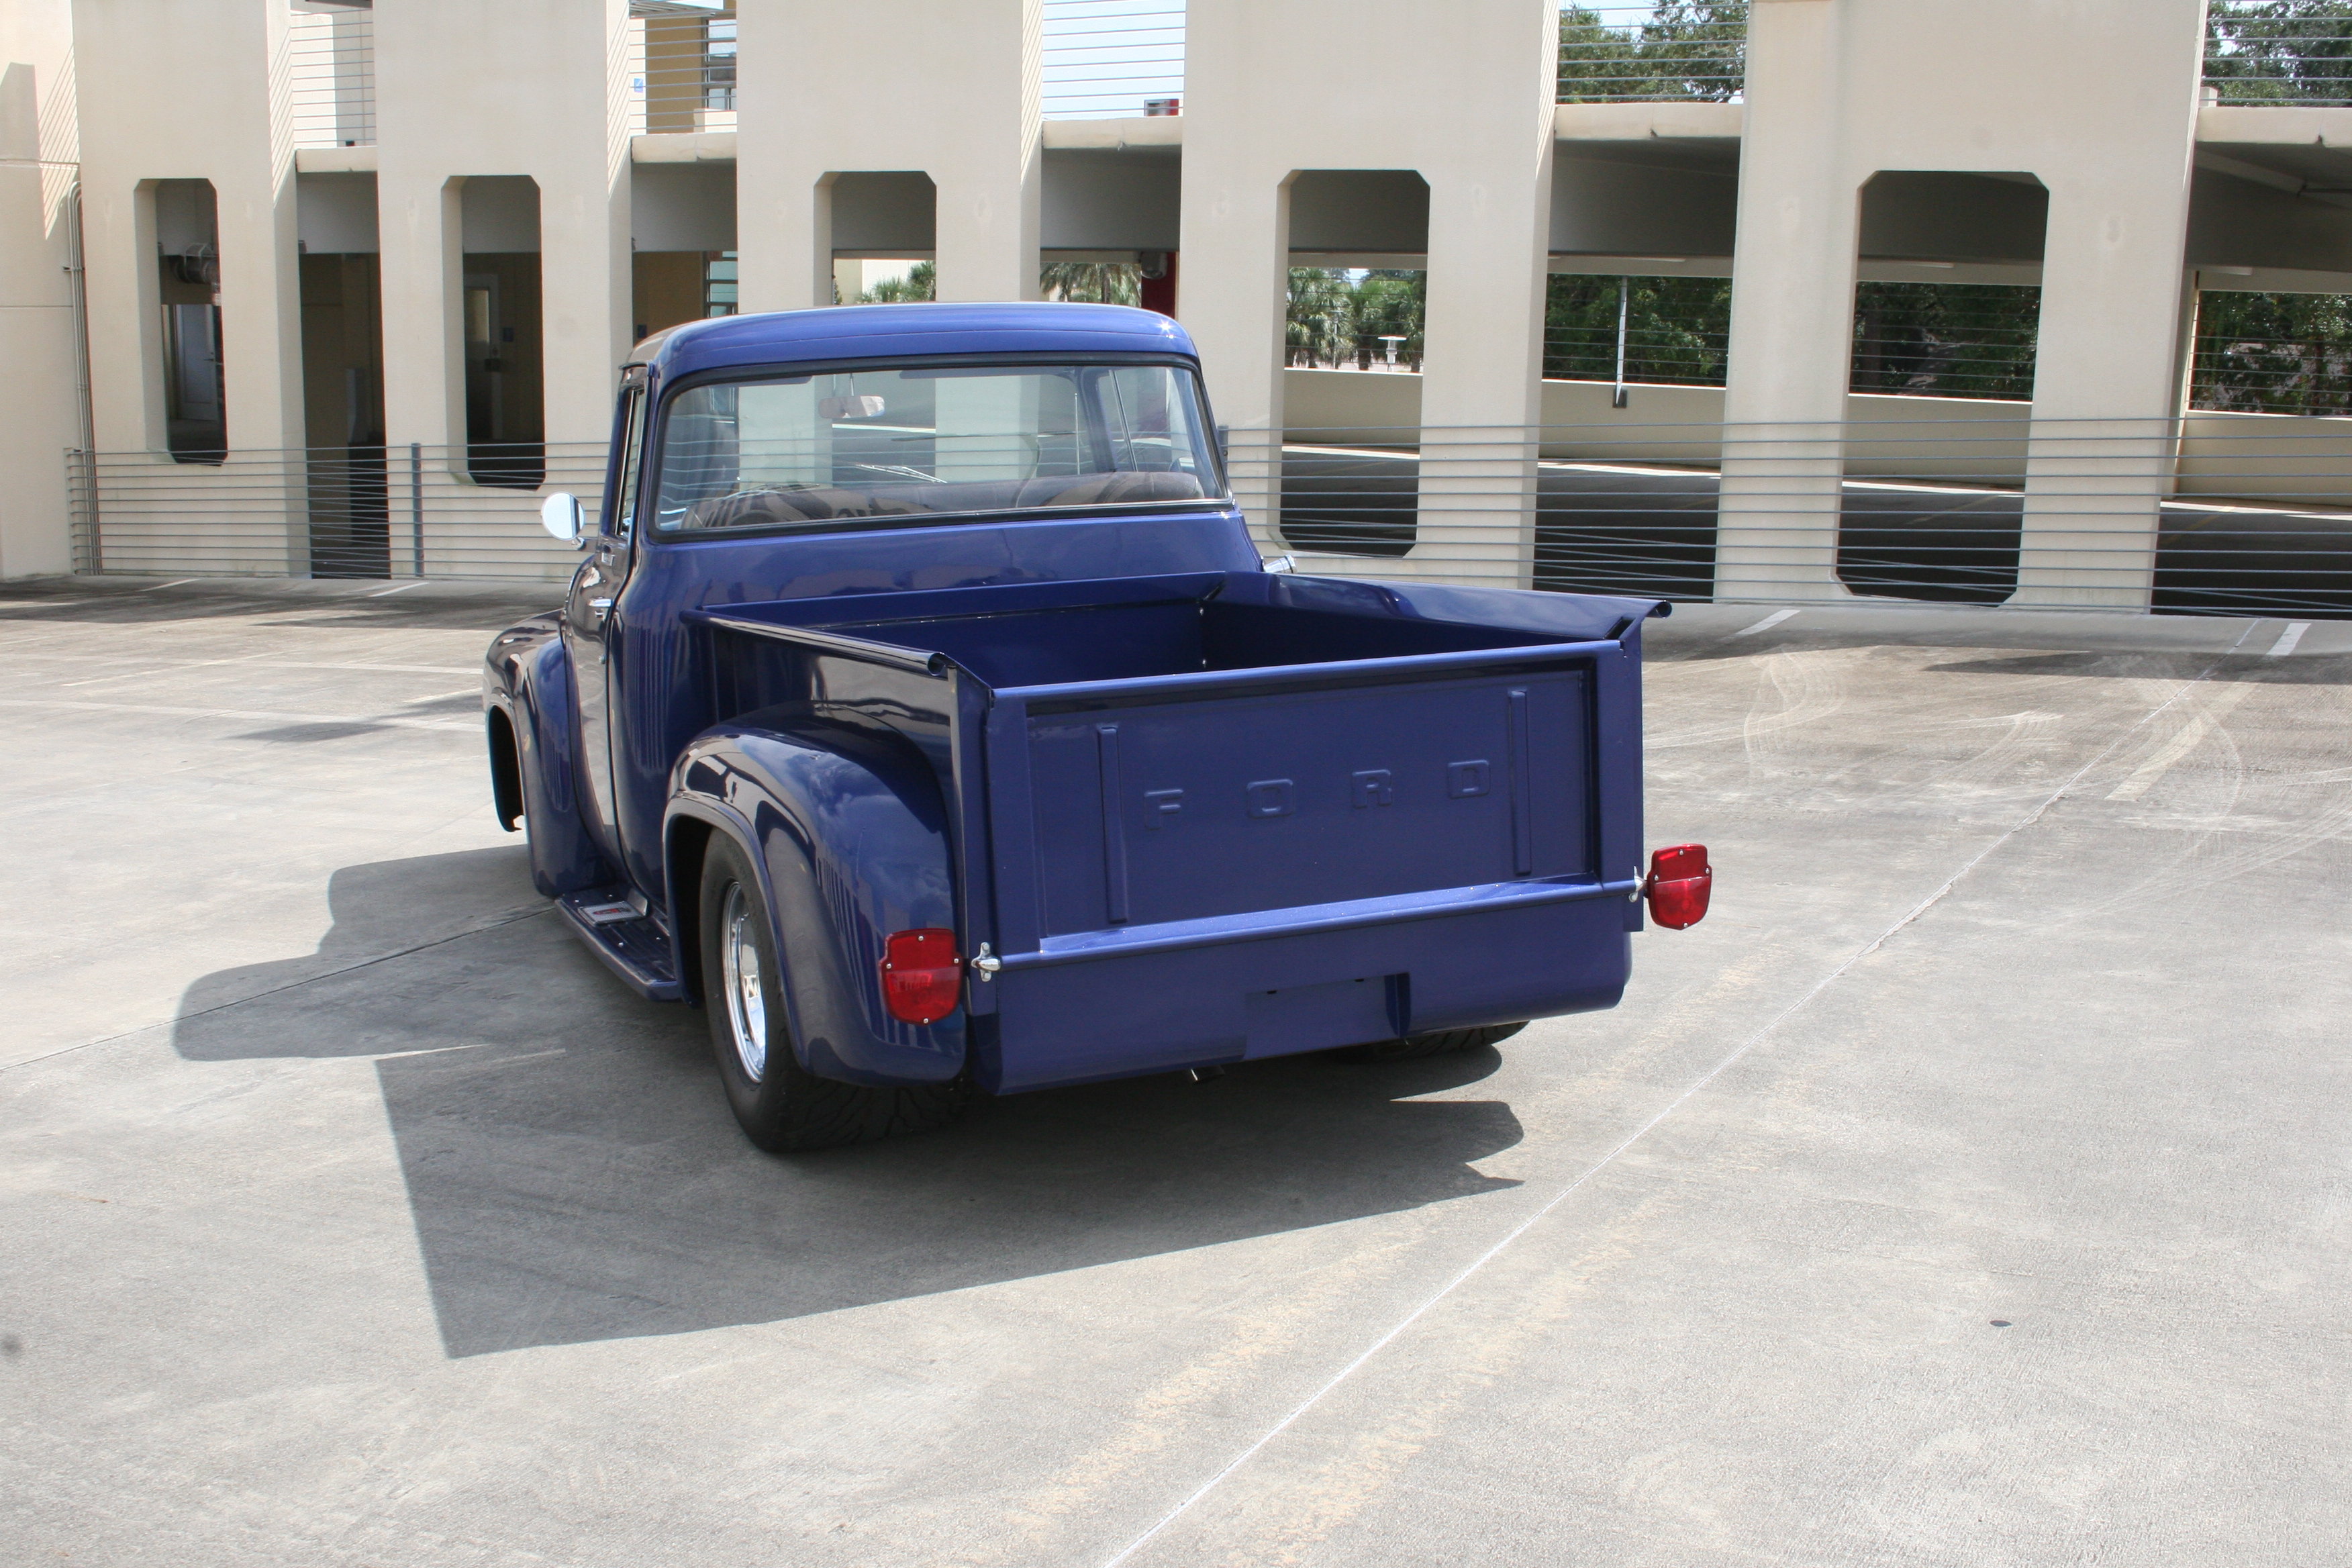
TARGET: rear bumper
(1162,998)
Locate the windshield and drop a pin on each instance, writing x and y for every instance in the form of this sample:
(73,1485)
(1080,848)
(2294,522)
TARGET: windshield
(806,450)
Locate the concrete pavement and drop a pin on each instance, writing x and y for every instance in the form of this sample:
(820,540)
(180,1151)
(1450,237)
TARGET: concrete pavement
(1970,1188)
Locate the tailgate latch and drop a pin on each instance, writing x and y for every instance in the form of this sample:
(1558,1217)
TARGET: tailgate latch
(1677,886)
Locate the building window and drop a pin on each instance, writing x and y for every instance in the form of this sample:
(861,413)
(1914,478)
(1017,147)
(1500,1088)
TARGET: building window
(719,64)
(719,297)
(187,242)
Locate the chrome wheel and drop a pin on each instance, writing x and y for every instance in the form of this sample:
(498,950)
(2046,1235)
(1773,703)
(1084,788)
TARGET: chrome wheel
(747,1001)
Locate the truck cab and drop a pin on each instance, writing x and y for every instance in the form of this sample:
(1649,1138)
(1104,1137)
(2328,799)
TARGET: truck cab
(922,710)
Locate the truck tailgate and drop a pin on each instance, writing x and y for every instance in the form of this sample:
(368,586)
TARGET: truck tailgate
(1171,810)
(1210,866)
(1211,817)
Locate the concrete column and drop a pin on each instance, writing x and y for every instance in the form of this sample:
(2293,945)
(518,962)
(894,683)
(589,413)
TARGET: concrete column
(525,87)
(947,88)
(420,224)
(1236,224)
(1482,370)
(174,95)
(179,93)
(1791,311)
(1258,118)
(40,408)
(2094,98)
(2107,386)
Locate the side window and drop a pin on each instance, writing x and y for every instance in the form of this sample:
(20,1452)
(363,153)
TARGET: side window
(632,451)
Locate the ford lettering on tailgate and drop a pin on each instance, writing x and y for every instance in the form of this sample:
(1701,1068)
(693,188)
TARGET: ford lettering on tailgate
(1185,811)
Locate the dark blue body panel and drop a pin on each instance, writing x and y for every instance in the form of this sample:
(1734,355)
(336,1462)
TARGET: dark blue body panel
(1200,813)
(1230,815)
(845,826)
(662,697)
(528,687)
(912,332)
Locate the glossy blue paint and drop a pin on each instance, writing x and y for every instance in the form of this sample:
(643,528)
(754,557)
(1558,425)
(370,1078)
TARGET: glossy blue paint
(661,671)
(527,679)
(844,821)
(1202,812)
(910,332)
(1208,790)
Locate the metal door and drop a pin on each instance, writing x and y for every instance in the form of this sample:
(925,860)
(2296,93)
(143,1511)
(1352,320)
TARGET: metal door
(591,629)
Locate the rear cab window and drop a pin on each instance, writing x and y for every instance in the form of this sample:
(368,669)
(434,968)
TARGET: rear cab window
(915,442)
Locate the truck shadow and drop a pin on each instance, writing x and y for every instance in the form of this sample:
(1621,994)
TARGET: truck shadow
(574,1175)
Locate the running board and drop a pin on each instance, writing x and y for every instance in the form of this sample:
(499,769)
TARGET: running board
(632,945)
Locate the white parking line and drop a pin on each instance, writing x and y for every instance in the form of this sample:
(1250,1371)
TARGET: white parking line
(173,584)
(2288,638)
(1767,623)
(261,715)
(387,592)
(1560,1196)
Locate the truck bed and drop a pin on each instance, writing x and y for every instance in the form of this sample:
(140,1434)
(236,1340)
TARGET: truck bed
(1230,815)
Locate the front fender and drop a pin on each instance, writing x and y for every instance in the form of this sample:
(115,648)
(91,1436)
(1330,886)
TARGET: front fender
(849,830)
(526,677)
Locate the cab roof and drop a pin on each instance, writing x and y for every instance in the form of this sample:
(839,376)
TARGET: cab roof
(899,332)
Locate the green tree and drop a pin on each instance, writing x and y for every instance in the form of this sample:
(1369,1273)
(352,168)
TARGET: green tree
(1092,282)
(2274,353)
(1318,327)
(1686,49)
(2279,51)
(1676,329)
(1946,340)
(1388,302)
(921,282)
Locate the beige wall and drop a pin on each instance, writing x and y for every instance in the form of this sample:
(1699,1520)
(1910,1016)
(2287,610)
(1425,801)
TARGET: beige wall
(41,412)
(146,76)
(945,87)
(2102,109)
(530,88)
(923,116)
(1252,125)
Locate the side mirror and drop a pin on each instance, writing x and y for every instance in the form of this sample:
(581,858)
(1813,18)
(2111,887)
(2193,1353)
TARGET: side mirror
(561,516)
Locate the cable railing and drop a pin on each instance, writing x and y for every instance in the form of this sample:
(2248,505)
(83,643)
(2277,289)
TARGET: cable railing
(2271,375)
(2200,515)
(402,511)
(1675,51)
(681,69)
(332,72)
(2204,514)
(2279,52)
(1108,59)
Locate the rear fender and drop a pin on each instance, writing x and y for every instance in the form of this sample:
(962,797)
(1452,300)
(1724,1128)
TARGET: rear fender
(847,832)
(528,682)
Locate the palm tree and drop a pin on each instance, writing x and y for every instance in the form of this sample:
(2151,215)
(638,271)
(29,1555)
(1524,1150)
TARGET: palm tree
(1317,328)
(1388,303)
(1095,282)
(921,282)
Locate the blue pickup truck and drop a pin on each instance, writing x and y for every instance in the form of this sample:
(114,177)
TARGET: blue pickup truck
(922,710)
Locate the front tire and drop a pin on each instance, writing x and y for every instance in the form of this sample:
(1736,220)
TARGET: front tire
(1433,1044)
(782,1107)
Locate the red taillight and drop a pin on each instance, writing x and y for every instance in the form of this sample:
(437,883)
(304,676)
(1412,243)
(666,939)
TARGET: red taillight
(1677,886)
(922,975)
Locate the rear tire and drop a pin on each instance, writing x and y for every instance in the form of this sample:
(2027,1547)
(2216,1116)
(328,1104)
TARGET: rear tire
(782,1106)
(1414,1047)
